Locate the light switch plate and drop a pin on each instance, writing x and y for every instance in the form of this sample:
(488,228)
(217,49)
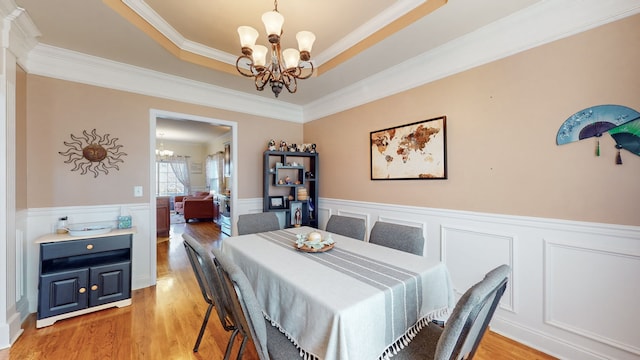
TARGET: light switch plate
(137,191)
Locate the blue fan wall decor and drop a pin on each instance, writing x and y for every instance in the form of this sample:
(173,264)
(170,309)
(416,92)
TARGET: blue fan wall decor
(619,121)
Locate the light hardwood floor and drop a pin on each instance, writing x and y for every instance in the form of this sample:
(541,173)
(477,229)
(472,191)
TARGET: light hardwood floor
(163,321)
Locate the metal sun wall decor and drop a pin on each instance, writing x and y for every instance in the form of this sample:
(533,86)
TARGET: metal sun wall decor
(93,153)
(621,122)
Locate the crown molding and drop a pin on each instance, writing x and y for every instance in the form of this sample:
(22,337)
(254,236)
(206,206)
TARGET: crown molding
(67,65)
(392,13)
(154,19)
(19,33)
(539,24)
(536,25)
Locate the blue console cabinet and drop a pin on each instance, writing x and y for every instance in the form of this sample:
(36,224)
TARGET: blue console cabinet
(79,275)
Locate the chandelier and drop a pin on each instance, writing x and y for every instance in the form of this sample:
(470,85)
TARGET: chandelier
(285,67)
(162,152)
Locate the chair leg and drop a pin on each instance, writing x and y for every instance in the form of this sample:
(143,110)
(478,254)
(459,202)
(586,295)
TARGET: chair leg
(204,326)
(227,353)
(241,350)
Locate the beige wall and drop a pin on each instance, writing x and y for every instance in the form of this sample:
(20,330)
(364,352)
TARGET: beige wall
(21,139)
(502,121)
(56,109)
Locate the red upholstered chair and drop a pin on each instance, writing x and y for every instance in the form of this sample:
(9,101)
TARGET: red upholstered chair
(199,208)
(178,201)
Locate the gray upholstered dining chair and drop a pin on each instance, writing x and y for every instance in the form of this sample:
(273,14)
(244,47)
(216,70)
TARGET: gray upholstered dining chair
(211,288)
(347,226)
(258,222)
(399,237)
(270,343)
(467,324)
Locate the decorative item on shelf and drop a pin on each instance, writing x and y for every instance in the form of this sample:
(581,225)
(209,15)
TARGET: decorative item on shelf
(61,227)
(93,153)
(276,202)
(310,207)
(283,145)
(293,148)
(295,213)
(309,175)
(285,67)
(302,194)
(271,146)
(124,222)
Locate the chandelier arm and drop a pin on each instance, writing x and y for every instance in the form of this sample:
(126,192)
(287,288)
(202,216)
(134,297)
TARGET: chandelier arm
(290,82)
(251,72)
(262,79)
(308,75)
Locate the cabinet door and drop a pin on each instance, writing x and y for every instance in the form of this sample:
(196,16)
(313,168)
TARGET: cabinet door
(109,283)
(163,222)
(63,292)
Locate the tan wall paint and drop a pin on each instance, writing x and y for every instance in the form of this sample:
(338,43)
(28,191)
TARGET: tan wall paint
(502,121)
(56,109)
(21,139)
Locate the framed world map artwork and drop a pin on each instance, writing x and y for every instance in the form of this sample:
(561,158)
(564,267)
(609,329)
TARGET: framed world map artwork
(413,151)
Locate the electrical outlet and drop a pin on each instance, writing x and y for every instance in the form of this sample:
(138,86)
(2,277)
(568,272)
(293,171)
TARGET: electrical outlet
(137,191)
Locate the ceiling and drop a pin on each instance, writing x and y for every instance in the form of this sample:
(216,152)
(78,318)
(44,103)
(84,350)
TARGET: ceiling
(197,39)
(188,130)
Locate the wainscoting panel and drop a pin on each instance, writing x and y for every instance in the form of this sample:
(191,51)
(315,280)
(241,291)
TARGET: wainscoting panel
(470,254)
(574,287)
(587,293)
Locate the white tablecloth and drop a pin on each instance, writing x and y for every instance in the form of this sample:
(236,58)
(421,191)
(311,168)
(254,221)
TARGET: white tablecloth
(353,302)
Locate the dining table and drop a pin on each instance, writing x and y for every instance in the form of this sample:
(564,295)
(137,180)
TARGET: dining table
(356,301)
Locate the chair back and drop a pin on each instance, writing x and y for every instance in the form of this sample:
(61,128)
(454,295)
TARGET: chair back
(208,278)
(258,222)
(399,237)
(471,316)
(244,305)
(348,226)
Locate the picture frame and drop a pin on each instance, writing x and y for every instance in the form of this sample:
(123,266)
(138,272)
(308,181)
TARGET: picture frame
(415,151)
(196,168)
(276,202)
(295,213)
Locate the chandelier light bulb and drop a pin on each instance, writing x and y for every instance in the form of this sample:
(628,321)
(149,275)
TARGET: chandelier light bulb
(259,55)
(305,40)
(248,37)
(291,57)
(273,22)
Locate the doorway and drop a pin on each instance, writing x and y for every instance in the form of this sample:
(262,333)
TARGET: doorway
(182,122)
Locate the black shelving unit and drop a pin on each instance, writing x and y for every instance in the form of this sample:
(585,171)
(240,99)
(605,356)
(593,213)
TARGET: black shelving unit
(285,174)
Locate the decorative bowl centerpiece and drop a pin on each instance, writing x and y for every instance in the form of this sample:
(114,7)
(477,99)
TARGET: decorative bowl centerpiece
(313,242)
(88,230)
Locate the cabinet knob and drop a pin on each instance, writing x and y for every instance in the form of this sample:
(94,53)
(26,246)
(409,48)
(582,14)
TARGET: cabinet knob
(94,287)
(82,290)
(89,247)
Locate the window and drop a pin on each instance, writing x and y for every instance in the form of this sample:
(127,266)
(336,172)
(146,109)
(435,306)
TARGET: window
(167,182)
